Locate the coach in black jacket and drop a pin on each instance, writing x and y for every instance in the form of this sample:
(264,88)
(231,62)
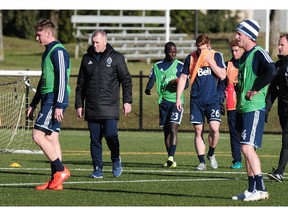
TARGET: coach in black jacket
(279,88)
(101,73)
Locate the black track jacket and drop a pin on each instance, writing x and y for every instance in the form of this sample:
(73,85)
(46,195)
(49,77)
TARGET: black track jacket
(279,87)
(98,84)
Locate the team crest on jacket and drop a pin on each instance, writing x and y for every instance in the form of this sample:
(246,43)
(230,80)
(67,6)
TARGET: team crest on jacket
(109,62)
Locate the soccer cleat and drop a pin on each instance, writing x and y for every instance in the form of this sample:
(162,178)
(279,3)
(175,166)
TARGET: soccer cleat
(46,186)
(257,195)
(97,173)
(242,196)
(275,176)
(174,164)
(59,187)
(59,177)
(213,161)
(201,167)
(170,162)
(236,165)
(117,169)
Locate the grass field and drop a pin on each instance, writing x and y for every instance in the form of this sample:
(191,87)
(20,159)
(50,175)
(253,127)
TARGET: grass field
(144,182)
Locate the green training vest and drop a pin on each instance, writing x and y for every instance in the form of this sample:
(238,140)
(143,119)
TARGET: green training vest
(48,76)
(246,79)
(164,89)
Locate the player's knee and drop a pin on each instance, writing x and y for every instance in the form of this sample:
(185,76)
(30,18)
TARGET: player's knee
(37,140)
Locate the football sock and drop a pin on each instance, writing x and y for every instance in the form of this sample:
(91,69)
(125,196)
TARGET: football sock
(172,150)
(57,165)
(201,158)
(53,171)
(251,183)
(259,183)
(211,151)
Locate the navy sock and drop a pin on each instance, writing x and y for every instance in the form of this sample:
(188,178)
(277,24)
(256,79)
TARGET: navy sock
(172,150)
(211,151)
(57,165)
(251,183)
(259,183)
(201,158)
(53,171)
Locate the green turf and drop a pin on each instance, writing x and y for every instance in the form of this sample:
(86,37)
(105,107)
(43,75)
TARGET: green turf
(144,182)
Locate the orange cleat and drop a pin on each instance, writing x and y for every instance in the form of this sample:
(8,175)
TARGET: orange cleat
(46,186)
(58,178)
(59,187)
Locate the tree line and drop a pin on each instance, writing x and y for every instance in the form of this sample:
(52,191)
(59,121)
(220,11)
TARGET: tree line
(19,23)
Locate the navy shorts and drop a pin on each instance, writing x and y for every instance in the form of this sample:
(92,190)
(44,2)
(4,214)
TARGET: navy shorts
(168,112)
(45,120)
(200,109)
(251,127)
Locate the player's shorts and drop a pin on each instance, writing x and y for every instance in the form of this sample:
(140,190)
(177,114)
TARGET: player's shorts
(168,112)
(200,109)
(251,127)
(45,120)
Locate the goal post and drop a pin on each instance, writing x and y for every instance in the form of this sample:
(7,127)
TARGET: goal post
(17,89)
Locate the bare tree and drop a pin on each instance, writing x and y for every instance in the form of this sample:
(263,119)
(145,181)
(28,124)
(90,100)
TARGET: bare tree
(274,31)
(1,39)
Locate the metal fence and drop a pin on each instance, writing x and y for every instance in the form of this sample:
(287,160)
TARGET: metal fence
(144,115)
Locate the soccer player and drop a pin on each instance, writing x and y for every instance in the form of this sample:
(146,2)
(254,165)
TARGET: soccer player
(256,71)
(53,92)
(228,90)
(165,73)
(205,67)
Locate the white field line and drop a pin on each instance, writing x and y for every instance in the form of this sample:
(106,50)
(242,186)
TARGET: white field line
(134,181)
(124,181)
(131,170)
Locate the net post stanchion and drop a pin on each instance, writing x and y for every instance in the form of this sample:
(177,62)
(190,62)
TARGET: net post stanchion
(141,101)
(26,103)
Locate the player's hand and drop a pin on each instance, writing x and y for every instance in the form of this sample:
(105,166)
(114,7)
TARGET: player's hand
(250,94)
(179,105)
(174,81)
(30,113)
(58,114)
(147,92)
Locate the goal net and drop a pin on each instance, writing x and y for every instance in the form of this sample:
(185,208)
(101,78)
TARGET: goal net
(16,92)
